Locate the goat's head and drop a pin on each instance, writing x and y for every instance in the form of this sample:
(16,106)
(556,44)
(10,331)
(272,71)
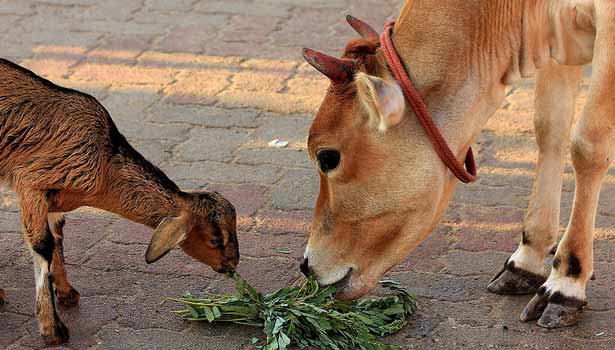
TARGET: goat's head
(205,229)
(382,188)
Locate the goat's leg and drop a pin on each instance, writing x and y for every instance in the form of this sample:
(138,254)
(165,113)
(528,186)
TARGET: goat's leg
(34,206)
(2,296)
(559,301)
(556,90)
(67,295)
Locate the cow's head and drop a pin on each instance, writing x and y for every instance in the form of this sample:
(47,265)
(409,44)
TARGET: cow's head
(382,186)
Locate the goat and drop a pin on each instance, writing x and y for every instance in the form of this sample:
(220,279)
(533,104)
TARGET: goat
(60,150)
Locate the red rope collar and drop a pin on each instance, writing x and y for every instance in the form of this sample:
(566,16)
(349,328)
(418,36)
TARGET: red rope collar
(464,174)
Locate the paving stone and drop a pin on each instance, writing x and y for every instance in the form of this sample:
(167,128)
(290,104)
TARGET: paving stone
(266,275)
(119,27)
(253,29)
(269,101)
(180,5)
(223,173)
(247,198)
(189,61)
(10,221)
(122,74)
(259,245)
(295,158)
(156,151)
(187,38)
(426,258)
(120,49)
(15,7)
(282,222)
(239,7)
(211,144)
(172,18)
(81,233)
(139,130)
(197,88)
(259,81)
(127,232)
(464,263)
(304,185)
(11,329)
(291,129)
(204,116)
(128,102)
(158,339)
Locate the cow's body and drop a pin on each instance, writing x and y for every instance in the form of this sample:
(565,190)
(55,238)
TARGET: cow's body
(462,55)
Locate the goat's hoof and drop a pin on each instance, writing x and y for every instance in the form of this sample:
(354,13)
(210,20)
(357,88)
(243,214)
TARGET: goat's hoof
(514,281)
(2,297)
(69,299)
(558,315)
(55,335)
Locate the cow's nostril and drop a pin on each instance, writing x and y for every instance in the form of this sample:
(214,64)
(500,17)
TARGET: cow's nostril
(304,267)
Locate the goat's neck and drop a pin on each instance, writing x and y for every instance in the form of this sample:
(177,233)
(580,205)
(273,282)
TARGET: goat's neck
(138,191)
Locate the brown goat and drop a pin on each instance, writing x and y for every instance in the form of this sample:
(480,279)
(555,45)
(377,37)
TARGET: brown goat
(60,150)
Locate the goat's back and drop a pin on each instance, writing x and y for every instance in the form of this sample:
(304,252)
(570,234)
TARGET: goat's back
(50,137)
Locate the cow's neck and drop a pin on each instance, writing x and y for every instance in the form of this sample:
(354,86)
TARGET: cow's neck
(461,54)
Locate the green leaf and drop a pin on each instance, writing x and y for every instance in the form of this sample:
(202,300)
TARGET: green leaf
(208,313)
(283,341)
(216,312)
(192,310)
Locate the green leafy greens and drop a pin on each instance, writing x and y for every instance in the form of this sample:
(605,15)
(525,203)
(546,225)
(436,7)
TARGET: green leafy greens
(306,315)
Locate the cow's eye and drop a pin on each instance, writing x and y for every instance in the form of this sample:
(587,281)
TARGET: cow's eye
(328,159)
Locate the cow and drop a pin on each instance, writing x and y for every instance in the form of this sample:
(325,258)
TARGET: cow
(383,187)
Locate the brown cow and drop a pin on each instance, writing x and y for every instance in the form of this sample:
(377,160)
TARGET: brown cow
(383,188)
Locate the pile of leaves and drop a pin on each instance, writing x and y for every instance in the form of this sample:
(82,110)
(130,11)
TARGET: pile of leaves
(305,315)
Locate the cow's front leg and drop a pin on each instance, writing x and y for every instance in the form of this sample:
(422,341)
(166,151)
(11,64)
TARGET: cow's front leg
(38,235)
(556,90)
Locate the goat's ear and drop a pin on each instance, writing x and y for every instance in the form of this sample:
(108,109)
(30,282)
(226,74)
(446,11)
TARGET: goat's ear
(169,233)
(383,101)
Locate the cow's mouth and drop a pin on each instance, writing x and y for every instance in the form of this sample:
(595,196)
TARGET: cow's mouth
(343,284)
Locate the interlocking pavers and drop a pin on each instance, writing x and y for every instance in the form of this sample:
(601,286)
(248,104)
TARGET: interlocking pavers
(200,87)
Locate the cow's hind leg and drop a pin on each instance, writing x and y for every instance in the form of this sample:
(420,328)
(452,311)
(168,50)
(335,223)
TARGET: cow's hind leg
(556,90)
(67,295)
(559,301)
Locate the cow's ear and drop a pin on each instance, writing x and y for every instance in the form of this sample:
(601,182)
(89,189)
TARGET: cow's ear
(383,101)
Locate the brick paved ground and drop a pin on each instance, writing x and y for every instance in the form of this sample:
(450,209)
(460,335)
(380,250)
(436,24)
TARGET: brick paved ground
(200,87)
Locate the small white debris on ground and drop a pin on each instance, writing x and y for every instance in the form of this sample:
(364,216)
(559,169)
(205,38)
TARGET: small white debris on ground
(277,143)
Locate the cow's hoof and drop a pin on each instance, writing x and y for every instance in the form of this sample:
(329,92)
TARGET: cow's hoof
(553,309)
(514,281)
(2,296)
(69,299)
(55,334)
(558,315)
(535,307)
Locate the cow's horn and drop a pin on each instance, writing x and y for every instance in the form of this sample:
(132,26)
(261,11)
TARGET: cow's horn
(362,28)
(338,70)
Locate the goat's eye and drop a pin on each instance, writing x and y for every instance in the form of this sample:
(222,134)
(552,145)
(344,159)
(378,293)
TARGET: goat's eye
(328,159)
(216,242)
